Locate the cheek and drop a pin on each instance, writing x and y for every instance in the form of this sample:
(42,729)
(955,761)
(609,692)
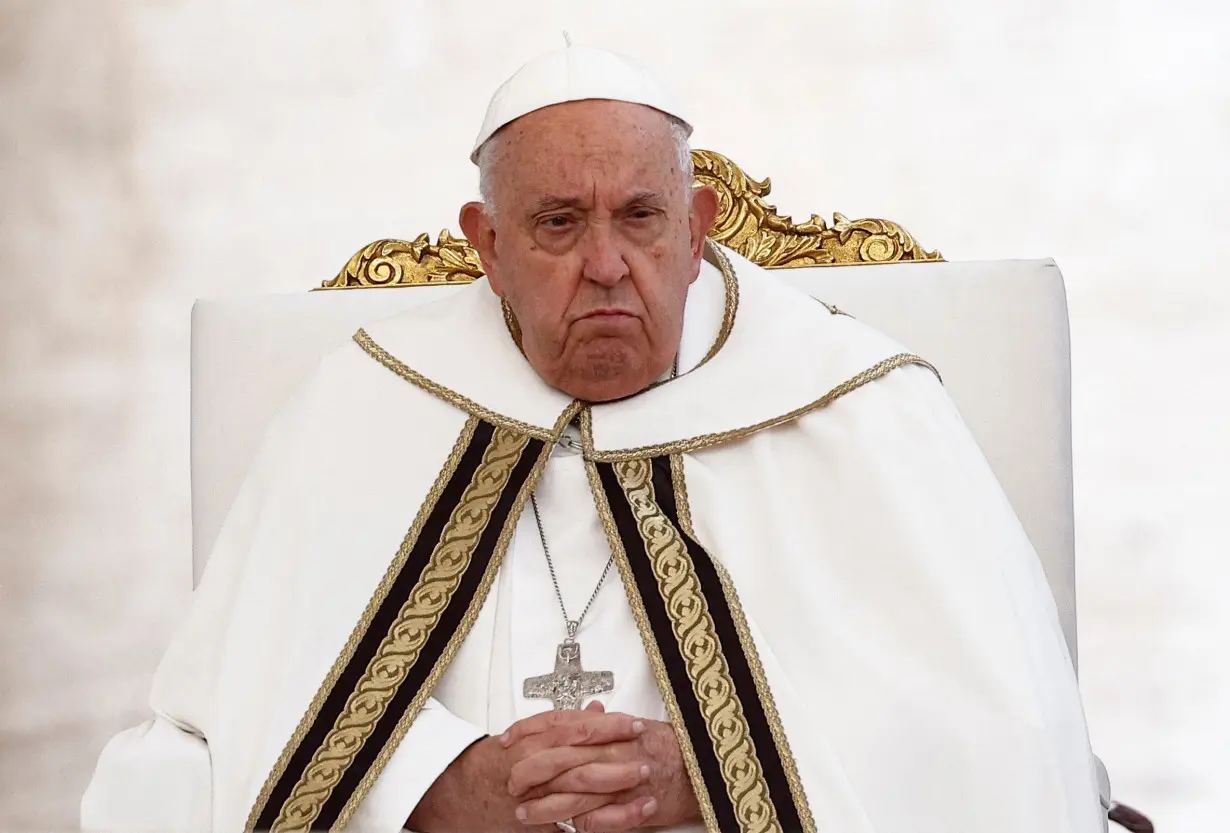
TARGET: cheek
(545,288)
(666,286)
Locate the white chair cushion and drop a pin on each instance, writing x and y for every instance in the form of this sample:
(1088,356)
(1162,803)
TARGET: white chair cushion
(997,331)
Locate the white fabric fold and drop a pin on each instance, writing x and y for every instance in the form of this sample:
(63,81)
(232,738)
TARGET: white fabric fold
(908,635)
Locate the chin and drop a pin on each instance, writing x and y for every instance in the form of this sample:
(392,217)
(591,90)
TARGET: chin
(605,391)
(611,372)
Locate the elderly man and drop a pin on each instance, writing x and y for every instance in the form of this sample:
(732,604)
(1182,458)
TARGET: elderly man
(803,600)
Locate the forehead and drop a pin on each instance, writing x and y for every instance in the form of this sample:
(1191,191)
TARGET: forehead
(583,146)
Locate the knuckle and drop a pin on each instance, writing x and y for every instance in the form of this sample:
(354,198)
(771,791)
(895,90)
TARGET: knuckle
(629,816)
(605,820)
(516,778)
(587,780)
(594,821)
(529,747)
(631,776)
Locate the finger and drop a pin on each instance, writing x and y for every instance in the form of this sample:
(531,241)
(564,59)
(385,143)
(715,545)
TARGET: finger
(615,818)
(545,722)
(599,777)
(558,807)
(576,727)
(544,766)
(598,730)
(595,706)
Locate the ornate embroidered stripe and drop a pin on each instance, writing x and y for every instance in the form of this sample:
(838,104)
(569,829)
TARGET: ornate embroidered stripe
(751,686)
(679,511)
(691,620)
(410,630)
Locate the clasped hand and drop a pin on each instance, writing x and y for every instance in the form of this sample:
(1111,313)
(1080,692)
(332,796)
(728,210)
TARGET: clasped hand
(606,772)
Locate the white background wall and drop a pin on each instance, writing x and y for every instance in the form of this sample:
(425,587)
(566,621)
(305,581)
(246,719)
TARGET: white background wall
(155,151)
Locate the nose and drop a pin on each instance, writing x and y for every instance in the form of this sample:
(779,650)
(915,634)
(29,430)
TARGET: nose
(604,262)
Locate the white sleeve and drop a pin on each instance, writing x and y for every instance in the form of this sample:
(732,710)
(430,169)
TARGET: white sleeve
(436,738)
(154,777)
(159,776)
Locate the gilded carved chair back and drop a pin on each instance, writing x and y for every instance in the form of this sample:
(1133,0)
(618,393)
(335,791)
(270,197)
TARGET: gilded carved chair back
(746,222)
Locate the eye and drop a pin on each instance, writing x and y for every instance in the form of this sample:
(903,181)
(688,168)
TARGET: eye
(642,213)
(556,222)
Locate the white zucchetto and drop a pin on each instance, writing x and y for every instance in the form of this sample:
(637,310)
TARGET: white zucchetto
(573,74)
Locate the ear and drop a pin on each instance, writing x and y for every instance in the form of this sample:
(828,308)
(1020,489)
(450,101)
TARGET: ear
(477,228)
(704,212)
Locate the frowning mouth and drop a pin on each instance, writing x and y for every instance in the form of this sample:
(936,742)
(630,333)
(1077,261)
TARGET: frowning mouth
(607,314)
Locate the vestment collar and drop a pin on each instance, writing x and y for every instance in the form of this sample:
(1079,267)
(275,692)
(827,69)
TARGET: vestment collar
(754,353)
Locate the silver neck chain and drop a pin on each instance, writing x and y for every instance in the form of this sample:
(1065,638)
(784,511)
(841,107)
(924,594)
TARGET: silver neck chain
(573,625)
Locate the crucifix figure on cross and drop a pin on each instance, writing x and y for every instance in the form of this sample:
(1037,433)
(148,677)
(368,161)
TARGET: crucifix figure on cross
(569,684)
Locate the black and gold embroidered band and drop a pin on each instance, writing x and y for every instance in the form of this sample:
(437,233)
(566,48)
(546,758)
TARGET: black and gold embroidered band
(739,756)
(408,634)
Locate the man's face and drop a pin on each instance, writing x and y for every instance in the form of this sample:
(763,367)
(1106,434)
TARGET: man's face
(594,243)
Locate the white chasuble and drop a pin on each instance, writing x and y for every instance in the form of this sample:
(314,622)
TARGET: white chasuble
(817,581)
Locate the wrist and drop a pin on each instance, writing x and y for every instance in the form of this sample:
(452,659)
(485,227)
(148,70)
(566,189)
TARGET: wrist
(456,800)
(677,799)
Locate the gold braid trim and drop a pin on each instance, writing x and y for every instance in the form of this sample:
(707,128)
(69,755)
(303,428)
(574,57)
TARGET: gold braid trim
(683,507)
(440,391)
(679,481)
(731,282)
(705,440)
(690,763)
(463,629)
(365,621)
(401,647)
(694,629)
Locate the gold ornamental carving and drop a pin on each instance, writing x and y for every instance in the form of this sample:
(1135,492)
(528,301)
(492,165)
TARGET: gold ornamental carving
(401,263)
(753,228)
(746,223)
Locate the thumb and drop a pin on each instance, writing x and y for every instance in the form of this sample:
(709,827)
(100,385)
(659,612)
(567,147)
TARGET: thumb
(595,706)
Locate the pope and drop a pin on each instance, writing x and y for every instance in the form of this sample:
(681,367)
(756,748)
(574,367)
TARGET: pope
(625,535)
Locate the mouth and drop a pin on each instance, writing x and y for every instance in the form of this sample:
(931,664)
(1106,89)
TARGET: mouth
(607,314)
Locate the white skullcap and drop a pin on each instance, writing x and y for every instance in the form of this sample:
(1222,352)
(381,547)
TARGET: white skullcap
(573,74)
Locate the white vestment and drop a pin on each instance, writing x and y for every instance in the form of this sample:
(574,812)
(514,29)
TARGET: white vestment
(895,608)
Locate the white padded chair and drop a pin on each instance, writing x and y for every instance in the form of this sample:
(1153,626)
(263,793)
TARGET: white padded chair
(997,331)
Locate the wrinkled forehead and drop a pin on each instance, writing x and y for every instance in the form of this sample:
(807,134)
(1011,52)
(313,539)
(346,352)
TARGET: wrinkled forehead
(588,148)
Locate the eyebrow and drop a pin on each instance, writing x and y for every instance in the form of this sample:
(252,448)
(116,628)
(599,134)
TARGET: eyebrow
(552,203)
(642,198)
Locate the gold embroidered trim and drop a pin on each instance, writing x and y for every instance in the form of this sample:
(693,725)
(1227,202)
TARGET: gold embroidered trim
(691,764)
(463,629)
(705,440)
(731,282)
(683,508)
(365,621)
(693,625)
(401,647)
(512,324)
(452,397)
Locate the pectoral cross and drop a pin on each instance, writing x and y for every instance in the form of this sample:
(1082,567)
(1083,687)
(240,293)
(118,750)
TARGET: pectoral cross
(569,685)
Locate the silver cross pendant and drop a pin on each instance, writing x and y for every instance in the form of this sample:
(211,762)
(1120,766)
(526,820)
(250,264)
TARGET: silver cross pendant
(569,685)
